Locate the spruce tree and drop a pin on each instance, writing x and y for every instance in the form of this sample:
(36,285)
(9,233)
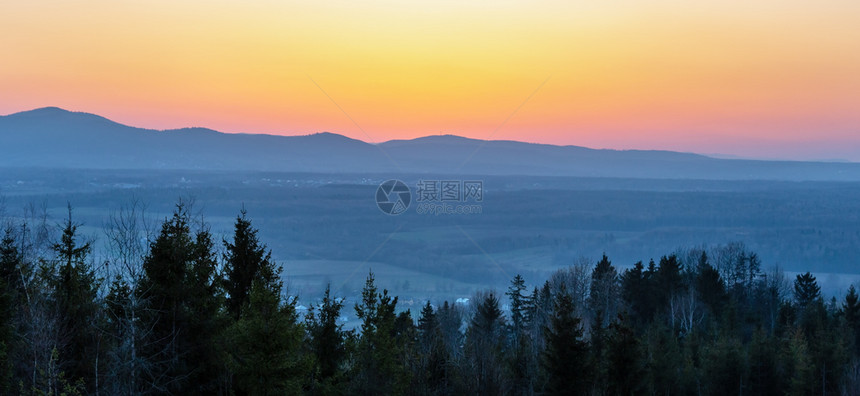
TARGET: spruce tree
(432,372)
(624,358)
(378,369)
(266,340)
(74,290)
(710,287)
(486,346)
(244,257)
(519,304)
(11,262)
(669,279)
(851,314)
(604,291)
(521,353)
(327,344)
(182,287)
(10,287)
(7,333)
(806,289)
(565,356)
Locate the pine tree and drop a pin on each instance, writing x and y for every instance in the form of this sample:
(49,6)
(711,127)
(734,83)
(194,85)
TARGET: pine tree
(428,326)
(10,287)
(624,360)
(710,286)
(124,365)
(485,346)
(806,289)
(800,370)
(597,358)
(7,333)
(244,257)
(566,354)
(378,369)
(185,321)
(763,366)
(669,279)
(663,359)
(11,262)
(851,313)
(450,318)
(431,374)
(266,340)
(519,304)
(604,291)
(725,367)
(327,344)
(639,292)
(521,354)
(632,284)
(74,289)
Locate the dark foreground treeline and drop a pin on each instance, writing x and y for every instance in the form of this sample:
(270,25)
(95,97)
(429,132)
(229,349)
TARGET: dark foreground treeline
(172,316)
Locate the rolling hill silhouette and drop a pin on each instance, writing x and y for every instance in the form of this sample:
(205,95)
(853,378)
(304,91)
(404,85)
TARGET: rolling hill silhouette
(55,138)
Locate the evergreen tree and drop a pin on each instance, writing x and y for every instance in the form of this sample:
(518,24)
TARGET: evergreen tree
(205,318)
(725,363)
(266,340)
(243,258)
(74,289)
(519,305)
(710,286)
(11,262)
(764,370)
(603,303)
(185,317)
(7,333)
(806,289)
(10,287)
(430,376)
(165,273)
(428,326)
(539,316)
(663,359)
(851,314)
(485,346)
(597,359)
(604,291)
(176,329)
(521,353)
(624,360)
(124,363)
(640,292)
(566,354)
(450,319)
(327,344)
(798,363)
(669,278)
(378,369)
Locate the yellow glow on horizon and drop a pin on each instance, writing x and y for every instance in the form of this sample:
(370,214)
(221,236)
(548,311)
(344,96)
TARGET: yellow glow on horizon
(667,74)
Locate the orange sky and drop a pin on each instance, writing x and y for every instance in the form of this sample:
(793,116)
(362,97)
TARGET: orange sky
(770,79)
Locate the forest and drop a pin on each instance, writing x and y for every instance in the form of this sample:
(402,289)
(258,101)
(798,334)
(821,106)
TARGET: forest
(179,312)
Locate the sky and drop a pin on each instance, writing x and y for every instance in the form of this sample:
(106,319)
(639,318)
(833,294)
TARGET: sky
(762,79)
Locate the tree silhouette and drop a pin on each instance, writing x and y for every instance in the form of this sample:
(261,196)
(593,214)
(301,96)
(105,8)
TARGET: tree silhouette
(566,354)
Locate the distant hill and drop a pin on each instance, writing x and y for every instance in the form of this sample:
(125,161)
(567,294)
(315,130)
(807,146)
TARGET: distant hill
(55,138)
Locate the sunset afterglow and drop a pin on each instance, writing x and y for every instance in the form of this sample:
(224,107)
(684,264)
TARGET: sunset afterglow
(768,79)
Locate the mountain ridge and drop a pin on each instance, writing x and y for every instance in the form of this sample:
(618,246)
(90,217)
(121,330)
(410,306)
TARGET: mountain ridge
(54,137)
